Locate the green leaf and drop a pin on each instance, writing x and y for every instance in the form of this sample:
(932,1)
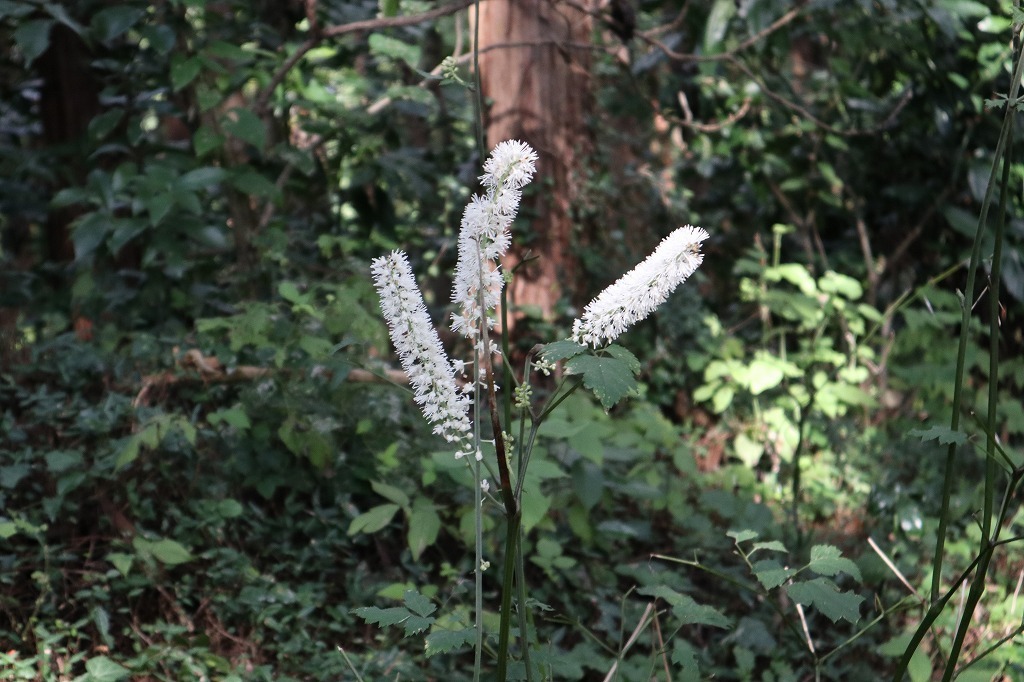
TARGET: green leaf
(691,613)
(722,11)
(205,140)
(944,435)
(32,38)
(388,8)
(200,178)
(170,552)
(232,416)
(418,604)
(588,483)
(229,508)
(390,493)
(764,375)
(8,529)
(625,355)
(443,641)
(101,126)
(184,71)
(844,285)
(747,449)
(722,398)
(254,184)
(828,560)
(103,669)
(59,461)
(771,574)
(771,546)
(561,350)
(289,291)
(111,22)
(795,274)
(386,46)
(226,51)
(610,378)
(822,594)
(382,617)
(373,519)
(741,535)
(246,126)
(15,9)
(158,206)
(424,526)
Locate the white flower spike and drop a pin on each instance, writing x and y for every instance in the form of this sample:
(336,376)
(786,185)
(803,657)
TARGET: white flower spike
(484,236)
(640,291)
(431,374)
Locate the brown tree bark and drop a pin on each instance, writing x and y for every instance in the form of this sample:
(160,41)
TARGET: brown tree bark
(535,71)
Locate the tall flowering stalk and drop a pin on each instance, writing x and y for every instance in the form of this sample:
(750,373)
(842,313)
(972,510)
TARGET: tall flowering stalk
(639,292)
(484,236)
(430,372)
(484,239)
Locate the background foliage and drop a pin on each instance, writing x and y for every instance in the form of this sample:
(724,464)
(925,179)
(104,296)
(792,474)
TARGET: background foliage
(201,477)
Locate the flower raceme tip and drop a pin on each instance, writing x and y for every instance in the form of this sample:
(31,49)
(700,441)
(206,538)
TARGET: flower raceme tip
(484,236)
(641,290)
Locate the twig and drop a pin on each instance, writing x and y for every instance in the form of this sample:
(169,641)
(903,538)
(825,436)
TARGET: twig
(644,619)
(892,567)
(342,29)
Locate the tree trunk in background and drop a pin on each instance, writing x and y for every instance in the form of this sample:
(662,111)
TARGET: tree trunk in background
(534,70)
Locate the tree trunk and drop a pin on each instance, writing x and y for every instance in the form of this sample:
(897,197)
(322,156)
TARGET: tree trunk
(534,69)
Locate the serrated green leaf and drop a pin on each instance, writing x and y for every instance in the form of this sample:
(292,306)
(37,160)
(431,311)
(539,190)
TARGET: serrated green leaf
(691,613)
(611,379)
(625,355)
(741,535)
(944,435)
(661,592)
(418,604)
(828,560)
(443,641)
(770,573)
(561,350)
(771,546)
(383,617)
(373,519)
(824,595)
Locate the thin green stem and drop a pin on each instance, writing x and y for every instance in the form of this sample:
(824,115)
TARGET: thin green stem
(968,296)
(511,541)
(521,607)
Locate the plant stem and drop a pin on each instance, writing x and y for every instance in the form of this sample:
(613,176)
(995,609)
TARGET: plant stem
(968,296)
